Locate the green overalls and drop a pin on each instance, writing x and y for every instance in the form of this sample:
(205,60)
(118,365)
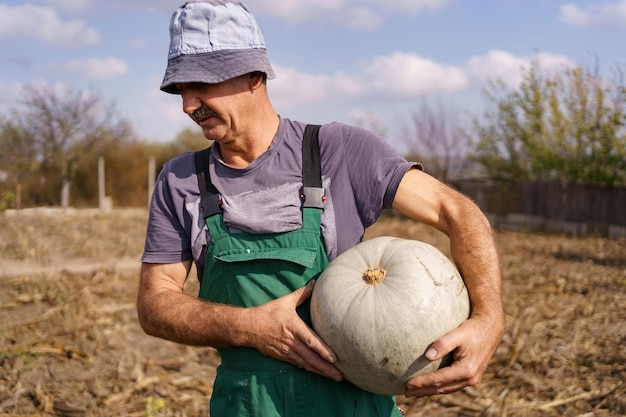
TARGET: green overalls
(251,269)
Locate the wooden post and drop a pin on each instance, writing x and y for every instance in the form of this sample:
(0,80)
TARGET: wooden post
(18,197)
(151,178)
(101,191)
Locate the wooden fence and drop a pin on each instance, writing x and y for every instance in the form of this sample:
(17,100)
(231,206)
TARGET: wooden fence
(551,206)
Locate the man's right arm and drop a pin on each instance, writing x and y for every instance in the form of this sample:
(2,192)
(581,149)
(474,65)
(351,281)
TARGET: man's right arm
(274,328)
(164,311)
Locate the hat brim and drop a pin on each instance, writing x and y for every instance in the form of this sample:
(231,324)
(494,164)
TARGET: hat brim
(214,67)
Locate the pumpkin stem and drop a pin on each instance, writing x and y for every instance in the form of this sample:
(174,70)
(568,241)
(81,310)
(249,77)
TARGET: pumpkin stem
(374,276)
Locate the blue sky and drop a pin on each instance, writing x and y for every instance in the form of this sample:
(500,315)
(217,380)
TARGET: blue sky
(345,60)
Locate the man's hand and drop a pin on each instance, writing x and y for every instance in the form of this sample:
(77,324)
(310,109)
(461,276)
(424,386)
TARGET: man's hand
(281,333)
(273,328)
(473,344)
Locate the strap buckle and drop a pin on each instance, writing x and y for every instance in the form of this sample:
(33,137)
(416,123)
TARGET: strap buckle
(211,205)
(313,197)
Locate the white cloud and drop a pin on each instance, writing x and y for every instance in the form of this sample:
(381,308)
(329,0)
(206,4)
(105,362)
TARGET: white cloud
(347,86)
(504,66)
(294,11)
(355,14)
(571,14)
(293,88)
(608,14)
(359,18)
(396,76)
(44,24)
(89,7)
(401,76)
(413,6)
(73,6)
(162,118)
(97,68)
(406,75)
(499,65)
(547,60)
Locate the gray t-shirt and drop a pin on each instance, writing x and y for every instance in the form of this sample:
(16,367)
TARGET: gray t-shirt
(360,173)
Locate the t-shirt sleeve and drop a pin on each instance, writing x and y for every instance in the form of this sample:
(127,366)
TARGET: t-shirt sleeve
(169,225)
(375,169)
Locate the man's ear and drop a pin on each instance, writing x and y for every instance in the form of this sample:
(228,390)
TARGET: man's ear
(256,80)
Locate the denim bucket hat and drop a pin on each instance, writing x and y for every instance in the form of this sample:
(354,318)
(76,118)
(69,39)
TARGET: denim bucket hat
(213,41)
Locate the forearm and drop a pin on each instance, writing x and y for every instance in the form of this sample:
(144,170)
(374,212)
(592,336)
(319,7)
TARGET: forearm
(164,311)
(273,328)
(472,245)
(475,253)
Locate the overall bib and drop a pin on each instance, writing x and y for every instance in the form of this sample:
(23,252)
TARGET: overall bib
(251,269)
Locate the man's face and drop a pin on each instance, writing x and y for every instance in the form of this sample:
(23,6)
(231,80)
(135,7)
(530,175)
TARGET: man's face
(217,108)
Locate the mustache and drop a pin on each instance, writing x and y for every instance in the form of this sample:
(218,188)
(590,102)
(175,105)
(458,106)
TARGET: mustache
(202,113)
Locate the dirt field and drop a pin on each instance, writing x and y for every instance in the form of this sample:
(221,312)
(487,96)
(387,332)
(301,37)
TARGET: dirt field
(70,344)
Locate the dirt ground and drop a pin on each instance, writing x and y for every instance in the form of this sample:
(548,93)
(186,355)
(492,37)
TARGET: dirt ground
(70,344)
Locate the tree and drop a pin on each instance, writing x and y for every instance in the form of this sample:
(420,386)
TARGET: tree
(53,140)
(65,127)
(567,126)
(17,157)
(370,121)
(435,137)
(189,140)
(126,172)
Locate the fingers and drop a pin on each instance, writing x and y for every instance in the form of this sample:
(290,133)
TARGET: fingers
(470,361)
(304,293)
(314,356)
(442,347)
(310,351)
(310,339)
(442,381)
(285,336)
(312,342)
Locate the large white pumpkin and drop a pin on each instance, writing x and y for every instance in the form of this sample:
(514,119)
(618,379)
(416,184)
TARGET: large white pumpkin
(381,304)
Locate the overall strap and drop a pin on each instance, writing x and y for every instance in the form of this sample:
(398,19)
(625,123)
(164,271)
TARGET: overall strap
(210,198)
(313,195)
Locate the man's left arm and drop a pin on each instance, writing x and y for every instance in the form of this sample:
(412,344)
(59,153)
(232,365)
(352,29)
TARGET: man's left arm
(473,249)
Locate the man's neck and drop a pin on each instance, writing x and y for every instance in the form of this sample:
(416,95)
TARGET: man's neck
(256,140)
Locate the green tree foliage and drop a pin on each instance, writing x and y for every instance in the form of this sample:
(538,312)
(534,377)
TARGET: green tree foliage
(567,126)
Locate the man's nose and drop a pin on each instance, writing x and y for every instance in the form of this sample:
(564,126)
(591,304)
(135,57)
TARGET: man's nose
(191,102)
